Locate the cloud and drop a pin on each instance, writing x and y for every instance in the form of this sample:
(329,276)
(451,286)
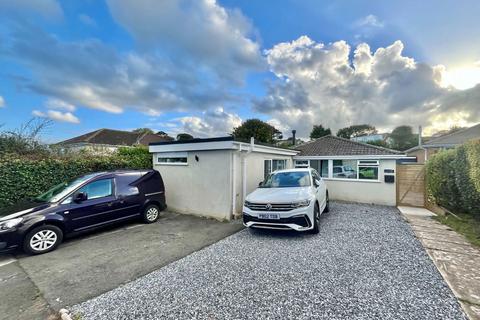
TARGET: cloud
(325,84)
(87,20)
(101,78)
(2,102)
(59,104)
(57,116)
(371,21)
(199,32)
(213,122)
(44,8)
(191,56)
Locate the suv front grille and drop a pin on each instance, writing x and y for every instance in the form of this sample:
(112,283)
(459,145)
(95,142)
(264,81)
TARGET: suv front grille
(270,206)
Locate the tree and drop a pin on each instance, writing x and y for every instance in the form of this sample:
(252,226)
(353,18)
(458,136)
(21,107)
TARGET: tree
(184,136)
(260,130)
(143,130)
(378,143)
(319,131)
(403,138)
(356,131)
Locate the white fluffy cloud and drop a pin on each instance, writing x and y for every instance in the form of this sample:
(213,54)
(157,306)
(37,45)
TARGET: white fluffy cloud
(60,105)
(2,102)
(211,123)
(200,31)
(57,116)
(190,56)
(321,84)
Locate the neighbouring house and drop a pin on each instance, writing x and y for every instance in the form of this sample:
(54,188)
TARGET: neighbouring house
(425,150)
(371,137)
(108,140)
(353,171)
(211,177)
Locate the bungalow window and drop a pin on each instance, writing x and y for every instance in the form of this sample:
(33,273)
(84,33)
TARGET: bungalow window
(271,165)
(345,169)
(321,166)
(172,158)
(368,169)
(301,163)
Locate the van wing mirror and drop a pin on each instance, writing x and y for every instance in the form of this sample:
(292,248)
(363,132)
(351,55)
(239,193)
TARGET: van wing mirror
(79,197)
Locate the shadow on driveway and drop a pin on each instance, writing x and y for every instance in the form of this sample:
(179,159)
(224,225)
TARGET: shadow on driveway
(86,266)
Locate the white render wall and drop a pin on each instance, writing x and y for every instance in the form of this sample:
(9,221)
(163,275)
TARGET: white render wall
(202,187)
(255,171)
(365,191)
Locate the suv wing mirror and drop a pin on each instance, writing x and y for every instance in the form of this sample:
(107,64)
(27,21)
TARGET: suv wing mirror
(260,183)
(79,197)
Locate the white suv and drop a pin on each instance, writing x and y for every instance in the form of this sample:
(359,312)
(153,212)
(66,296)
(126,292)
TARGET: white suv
(288,199)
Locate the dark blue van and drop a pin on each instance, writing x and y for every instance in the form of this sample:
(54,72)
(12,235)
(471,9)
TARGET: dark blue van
(85,203)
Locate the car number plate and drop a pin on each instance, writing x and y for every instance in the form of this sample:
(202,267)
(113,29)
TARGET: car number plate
(268,216)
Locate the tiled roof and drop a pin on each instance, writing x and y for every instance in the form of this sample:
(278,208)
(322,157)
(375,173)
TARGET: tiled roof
(116,138)
(458,137)
(336,146)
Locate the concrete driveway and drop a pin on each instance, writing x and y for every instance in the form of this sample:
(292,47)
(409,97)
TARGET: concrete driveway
(365,264)
(89,265)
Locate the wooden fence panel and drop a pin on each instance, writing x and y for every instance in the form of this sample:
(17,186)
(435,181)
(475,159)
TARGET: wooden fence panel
(411,185)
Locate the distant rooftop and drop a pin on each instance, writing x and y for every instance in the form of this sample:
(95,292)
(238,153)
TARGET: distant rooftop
(116,138)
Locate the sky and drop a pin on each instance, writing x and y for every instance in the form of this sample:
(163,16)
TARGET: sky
(204,66)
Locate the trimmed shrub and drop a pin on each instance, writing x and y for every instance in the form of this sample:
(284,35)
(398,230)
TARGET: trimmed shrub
(453,178)
(441,187)
(26,177)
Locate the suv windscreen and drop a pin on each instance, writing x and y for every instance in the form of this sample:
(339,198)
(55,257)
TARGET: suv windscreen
(292,179)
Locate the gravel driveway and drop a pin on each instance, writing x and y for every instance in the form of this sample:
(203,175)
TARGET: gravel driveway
(364,264)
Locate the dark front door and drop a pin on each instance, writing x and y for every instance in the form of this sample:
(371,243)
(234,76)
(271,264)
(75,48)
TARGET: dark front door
(94,211)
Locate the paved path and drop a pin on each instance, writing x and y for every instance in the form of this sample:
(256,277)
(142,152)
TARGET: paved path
(89,265)
(456,259)
(365,264)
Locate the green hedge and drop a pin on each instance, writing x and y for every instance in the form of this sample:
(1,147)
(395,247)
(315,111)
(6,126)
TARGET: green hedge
(23,177)
(453,178)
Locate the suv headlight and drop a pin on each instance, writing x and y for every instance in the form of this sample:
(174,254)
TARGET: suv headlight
(9,224)
(301,204)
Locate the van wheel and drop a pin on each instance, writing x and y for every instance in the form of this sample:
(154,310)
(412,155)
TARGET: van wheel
(151,213)
(327,206)
(316,220)
(42,239)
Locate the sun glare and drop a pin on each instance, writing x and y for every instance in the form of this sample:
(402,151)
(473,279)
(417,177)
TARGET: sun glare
(463,78)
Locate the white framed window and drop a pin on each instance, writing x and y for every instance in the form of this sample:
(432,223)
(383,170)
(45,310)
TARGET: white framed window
(271,165)
(172,158)
(302,163)
(368,170)
(343,169)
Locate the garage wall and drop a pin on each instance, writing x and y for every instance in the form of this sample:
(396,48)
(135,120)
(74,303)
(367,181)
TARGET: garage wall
(202,187)
(365,192)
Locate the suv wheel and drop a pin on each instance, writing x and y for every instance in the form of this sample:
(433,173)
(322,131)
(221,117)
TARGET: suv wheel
(316,220)
(42,239)
(327,206)
(151,213)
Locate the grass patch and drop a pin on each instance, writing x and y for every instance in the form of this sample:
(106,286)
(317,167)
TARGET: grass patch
(468,226)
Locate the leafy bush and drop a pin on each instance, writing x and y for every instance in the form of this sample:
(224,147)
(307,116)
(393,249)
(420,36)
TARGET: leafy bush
(453,178)
(23,177)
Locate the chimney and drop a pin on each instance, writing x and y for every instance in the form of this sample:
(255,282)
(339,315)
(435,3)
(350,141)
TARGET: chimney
(420,135)
(293,136)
